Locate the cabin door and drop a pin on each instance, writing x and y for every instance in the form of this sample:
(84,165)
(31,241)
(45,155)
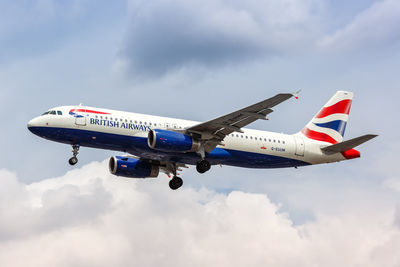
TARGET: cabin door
(299,146)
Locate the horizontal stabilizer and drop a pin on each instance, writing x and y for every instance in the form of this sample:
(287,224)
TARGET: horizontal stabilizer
(349,144)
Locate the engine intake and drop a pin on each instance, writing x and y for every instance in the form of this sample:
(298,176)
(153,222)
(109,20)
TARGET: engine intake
(171,141)
(132,168)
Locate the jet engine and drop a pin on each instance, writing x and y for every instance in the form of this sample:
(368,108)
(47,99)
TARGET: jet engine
(171,141)
(132,168)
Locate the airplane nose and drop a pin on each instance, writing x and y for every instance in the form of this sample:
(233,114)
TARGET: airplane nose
(32,124)
(29,125)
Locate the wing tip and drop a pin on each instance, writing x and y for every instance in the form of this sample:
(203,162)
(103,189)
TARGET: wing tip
(296,94)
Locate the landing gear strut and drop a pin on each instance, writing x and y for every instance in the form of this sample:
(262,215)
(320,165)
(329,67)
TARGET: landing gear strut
(203,165)
(75,150)
(175,183)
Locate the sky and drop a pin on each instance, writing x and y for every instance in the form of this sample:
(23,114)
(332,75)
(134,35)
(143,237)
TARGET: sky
(198,60)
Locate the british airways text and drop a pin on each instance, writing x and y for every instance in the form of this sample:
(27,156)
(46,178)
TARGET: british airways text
(117,124)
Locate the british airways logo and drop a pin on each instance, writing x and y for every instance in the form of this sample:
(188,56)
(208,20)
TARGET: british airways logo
(73,112)
(117,124)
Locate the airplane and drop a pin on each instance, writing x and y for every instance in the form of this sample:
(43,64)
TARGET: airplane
(155,143)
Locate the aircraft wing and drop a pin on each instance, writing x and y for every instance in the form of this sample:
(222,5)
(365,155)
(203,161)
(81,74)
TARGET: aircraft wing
(214,131)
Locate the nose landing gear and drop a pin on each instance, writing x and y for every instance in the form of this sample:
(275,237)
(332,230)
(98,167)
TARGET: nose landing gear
(75,150)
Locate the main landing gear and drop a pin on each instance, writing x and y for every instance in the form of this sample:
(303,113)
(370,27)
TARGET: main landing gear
(75,150)
(175,183)
(203,165)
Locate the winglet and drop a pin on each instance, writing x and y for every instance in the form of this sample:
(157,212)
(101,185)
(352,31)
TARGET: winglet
(296,94)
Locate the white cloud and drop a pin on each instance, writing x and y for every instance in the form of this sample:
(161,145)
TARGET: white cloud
(90,218)
(375,27)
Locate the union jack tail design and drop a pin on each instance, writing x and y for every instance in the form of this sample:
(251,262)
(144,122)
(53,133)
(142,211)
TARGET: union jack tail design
(330,122)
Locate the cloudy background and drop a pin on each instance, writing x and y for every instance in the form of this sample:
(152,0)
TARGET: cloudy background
(198,60)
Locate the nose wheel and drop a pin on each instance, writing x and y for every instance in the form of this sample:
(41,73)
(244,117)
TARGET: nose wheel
(72,161)
(75,150)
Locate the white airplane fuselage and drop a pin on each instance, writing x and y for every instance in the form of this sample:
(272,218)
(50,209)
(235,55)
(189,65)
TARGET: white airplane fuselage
(165,144)
(128,132)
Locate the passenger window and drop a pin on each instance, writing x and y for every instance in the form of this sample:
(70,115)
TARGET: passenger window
(283,142)
(145,123)
(269,140)
(251,137)
(255,138)
(135,121)
(279,141)
(274,141)
(247,137)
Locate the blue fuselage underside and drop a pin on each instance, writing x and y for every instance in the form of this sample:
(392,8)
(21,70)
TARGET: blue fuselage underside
(138,146)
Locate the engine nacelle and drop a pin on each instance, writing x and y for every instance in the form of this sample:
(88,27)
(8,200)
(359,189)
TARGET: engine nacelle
(171,141)
(132,168)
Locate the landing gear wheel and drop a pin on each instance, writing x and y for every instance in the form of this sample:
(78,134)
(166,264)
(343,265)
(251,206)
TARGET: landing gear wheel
(72,161)
(75,151)
(175,183)
(203,165)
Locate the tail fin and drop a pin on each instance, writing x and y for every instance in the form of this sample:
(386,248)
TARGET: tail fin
(330,122)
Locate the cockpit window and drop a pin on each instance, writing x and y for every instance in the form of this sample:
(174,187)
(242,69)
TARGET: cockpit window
(52,112)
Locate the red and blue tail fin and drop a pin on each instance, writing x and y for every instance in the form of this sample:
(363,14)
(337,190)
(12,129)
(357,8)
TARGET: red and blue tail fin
(330,122)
